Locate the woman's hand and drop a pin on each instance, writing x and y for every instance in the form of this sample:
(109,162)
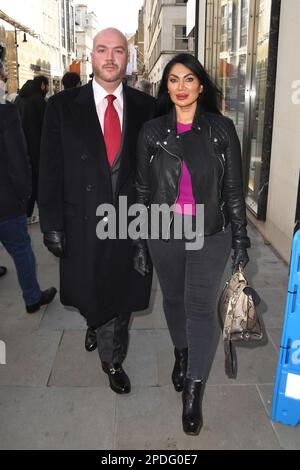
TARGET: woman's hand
(239,258)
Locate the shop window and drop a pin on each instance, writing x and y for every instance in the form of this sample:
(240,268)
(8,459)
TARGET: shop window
(241,56)
(181,41)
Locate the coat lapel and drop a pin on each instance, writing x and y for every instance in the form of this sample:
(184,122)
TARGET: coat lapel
(85,112)
(90,127)
(129,139)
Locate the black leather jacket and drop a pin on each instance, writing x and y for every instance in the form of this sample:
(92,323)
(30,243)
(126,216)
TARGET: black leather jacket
(211,151)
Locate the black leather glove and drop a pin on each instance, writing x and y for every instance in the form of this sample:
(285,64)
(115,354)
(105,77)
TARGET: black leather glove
(140,257)
(55,242)
(239,257)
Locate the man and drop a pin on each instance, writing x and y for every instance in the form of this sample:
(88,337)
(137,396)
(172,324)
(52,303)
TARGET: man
(143,85)
(14,193)
(71,80)
(87,159)
(32,104)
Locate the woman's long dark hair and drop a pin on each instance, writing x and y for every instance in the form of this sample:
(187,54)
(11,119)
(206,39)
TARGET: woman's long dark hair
(211,97)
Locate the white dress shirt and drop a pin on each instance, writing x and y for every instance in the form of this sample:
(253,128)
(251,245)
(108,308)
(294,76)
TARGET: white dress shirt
(101,102)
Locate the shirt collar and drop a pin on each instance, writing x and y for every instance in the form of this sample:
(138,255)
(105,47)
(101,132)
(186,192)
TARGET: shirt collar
(100,93)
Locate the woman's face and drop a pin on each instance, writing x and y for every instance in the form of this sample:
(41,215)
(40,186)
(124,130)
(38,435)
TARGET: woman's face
(183,86)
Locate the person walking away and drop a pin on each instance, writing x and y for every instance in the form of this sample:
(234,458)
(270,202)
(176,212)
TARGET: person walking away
(32,104)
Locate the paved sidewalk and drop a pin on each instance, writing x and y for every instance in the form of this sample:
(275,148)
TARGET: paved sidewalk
(53,394)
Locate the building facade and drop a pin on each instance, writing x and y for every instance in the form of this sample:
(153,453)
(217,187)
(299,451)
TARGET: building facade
(85,30)
(247,50)
(140,34)
(40,39)
(164,36)
(67,33)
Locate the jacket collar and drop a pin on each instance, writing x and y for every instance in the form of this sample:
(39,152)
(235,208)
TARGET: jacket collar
(199,120)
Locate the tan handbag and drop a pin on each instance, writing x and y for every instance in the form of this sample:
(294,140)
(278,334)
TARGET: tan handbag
(238,317)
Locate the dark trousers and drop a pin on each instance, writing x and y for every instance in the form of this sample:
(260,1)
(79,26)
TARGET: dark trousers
(112,339)
(15,239)
(190,281)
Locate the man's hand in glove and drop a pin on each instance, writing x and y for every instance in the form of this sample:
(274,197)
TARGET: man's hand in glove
(140,258)
(240,257)
(55,242)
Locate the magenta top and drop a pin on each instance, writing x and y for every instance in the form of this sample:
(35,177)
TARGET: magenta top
(185,189)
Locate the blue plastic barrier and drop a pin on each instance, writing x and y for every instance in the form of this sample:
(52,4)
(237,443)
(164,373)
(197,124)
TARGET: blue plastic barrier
(286,397)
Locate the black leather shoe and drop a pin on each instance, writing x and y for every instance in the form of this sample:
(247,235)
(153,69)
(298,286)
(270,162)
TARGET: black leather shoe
(47,297)
(3,271)
(118,379)
(90,339)
(192,419)
(180,367)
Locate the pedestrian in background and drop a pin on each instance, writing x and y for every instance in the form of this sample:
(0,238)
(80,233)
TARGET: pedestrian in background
(32,104)
(191,155)
(71,80)
(143,85)
(15,189)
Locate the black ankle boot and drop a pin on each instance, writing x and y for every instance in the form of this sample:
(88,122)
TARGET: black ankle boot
(192,395)
(180,366)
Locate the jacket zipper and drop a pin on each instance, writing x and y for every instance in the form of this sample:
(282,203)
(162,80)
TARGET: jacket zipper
(222,205)
(222,176)
(175,156)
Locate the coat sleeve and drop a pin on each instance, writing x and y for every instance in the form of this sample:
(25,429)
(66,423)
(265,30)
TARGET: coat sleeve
(51,172)
(16,153)
(233,193)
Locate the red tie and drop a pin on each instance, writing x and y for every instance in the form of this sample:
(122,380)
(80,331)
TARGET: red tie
(112,130)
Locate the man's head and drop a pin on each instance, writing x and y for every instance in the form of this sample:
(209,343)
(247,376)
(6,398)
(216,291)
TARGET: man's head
(109,58)
(42,84)
(143,85)
(71,80)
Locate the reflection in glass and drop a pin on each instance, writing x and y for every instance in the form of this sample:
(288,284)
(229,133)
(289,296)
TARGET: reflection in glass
(259,89)
(232,59)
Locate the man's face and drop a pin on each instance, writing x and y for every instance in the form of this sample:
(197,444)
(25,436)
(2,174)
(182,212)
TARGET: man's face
(109,57)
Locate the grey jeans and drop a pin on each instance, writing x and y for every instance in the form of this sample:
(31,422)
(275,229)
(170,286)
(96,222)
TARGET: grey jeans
(190,281)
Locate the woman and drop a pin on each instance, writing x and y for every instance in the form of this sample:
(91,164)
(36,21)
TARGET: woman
(191,155)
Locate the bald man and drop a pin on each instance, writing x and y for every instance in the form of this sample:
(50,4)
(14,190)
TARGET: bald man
(88,158)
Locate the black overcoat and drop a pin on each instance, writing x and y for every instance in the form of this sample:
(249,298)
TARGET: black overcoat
(31,105)
(15,172)
(96,276)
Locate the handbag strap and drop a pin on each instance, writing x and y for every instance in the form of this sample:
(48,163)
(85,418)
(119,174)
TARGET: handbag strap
(230,359)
